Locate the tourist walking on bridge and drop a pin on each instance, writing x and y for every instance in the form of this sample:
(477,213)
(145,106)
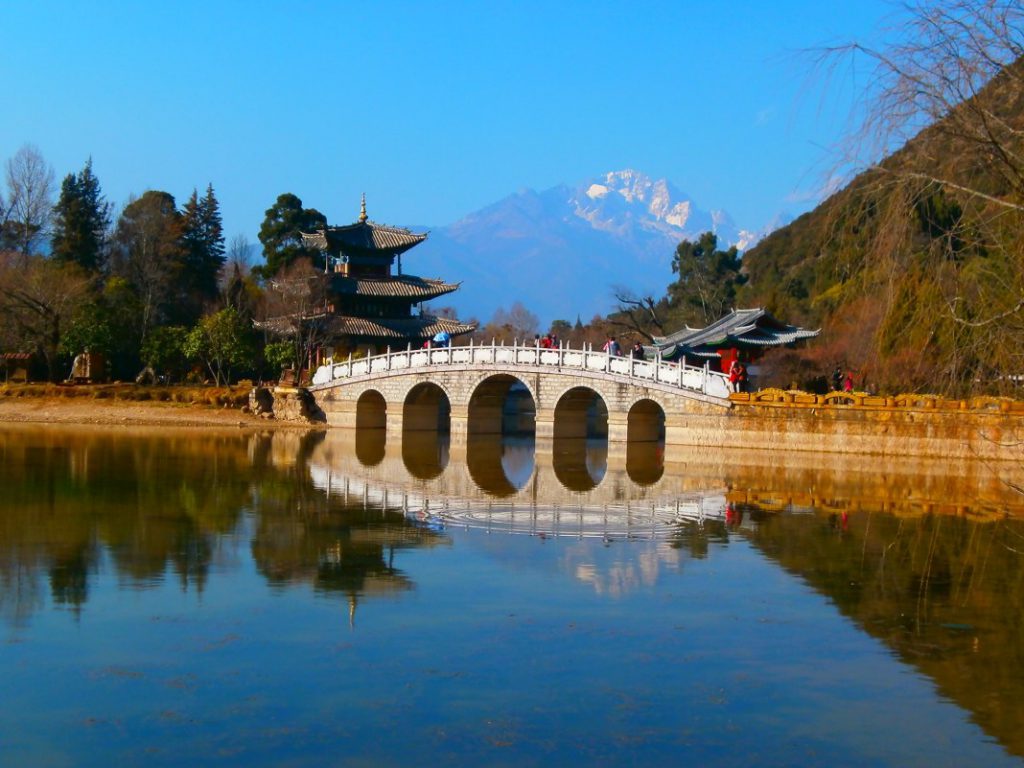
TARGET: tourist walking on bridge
(611,347)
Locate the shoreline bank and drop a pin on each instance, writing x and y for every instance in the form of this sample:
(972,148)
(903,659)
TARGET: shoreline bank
(81,411)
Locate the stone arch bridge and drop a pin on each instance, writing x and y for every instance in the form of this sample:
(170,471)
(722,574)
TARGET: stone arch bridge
(466,390)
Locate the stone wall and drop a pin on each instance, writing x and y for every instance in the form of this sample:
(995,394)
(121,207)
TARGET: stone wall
(888,430)
(294,404)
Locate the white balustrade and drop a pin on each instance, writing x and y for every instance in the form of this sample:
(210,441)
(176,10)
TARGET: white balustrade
(693,378)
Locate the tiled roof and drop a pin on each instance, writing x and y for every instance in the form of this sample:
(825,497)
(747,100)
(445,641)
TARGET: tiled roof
(401,286)
(363,236)
(755,327)
(422,327)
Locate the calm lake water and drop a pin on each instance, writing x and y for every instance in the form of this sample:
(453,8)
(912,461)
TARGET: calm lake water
(297,599)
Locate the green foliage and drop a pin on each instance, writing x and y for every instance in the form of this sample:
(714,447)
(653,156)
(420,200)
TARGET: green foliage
(80,221)
(203,258)
(90,328)
(705,288)
(164,349)
(280,354)
(281,235)
(221,341)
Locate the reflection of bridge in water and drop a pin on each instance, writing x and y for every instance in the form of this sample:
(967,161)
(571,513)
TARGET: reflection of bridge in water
(504,485)
(583,491)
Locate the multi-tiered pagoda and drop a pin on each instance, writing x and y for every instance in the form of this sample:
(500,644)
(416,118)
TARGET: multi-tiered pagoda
(371,308)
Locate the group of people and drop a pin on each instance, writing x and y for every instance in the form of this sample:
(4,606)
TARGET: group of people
(547,341)
(611,346)
(738,375)
(840,382)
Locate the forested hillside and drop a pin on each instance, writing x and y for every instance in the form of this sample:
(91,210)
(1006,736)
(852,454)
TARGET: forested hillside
(915,270)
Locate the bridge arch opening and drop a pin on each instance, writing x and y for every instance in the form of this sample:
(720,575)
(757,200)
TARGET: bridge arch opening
(501,405)
(645,442)
(426,409)
(645,422)
(502,417)
(371,419)
(581,413)
(371,410)
(580,449)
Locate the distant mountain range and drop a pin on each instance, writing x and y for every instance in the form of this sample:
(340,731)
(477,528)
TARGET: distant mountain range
(561,252)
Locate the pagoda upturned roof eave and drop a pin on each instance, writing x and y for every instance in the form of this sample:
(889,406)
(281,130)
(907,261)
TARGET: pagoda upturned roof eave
(363,236)
(422,327)
(397,286)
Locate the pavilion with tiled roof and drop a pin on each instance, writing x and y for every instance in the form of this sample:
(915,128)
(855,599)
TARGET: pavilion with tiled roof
(748,332)
(369,307)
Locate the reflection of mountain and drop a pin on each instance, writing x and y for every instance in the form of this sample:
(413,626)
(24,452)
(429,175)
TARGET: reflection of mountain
(946,593)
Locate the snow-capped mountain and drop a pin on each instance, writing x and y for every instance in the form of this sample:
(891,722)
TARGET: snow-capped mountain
(563,252)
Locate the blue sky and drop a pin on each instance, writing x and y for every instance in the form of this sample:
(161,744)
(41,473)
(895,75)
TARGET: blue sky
(433,109)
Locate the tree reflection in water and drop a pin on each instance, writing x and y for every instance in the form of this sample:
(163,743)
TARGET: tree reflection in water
(170,506)
(944,592)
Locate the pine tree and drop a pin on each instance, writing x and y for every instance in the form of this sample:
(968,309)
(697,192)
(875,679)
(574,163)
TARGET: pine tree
(281,234)
(81,220)
(203,240)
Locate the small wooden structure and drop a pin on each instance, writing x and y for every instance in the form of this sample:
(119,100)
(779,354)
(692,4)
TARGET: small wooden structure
(15,366)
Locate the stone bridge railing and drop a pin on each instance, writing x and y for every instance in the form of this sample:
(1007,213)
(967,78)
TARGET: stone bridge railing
(564,360)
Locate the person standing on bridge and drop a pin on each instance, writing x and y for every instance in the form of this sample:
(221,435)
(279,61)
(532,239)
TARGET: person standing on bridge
(734,375)
(837,379)
(637,352)
(611,347)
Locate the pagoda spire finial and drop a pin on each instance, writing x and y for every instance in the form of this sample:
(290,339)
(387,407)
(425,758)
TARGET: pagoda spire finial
(362,209)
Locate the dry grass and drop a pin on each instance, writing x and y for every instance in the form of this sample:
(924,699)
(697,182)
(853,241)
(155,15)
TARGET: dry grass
(235,396)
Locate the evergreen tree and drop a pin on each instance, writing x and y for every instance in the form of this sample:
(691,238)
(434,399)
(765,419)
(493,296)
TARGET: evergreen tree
(203,241)
(281,234)
(80,221)
(706,287)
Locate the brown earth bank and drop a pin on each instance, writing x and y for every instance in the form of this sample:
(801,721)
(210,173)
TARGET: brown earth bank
(64,410)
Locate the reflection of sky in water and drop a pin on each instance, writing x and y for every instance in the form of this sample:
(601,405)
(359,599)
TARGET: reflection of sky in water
(517,459)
